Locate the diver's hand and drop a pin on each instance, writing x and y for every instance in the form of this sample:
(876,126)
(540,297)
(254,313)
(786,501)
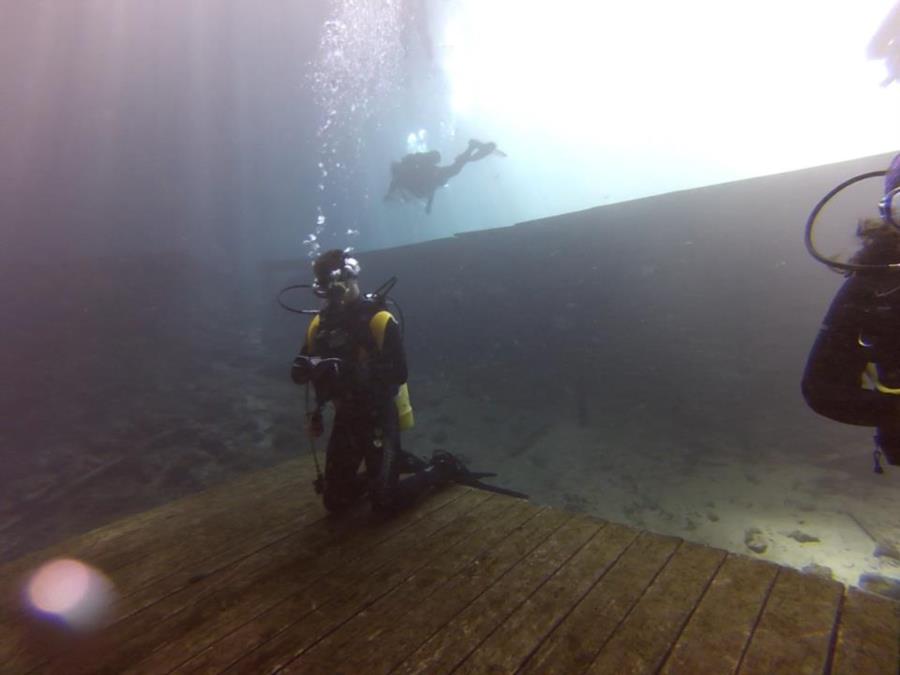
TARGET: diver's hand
(302,368)
(327,370)
(329,378)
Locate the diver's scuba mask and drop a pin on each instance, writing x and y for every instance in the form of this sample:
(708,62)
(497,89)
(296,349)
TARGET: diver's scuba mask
(339,281)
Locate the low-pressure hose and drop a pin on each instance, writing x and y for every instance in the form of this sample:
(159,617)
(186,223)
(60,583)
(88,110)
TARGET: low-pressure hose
(319,482)
(293,309)
(811,221)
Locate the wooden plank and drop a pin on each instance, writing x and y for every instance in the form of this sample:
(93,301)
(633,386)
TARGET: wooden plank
(199,548)
(358,589)
(128,536)
(796,627)
(385,641)
(132,636)
(302,558)
(395,626)
(572,647)
(644,638)
(467,581)
(165,571)
(137,538)
(232,607)
(324,657)
(511,644)
(446,649)
(868,639)
(718,633)
(299,620)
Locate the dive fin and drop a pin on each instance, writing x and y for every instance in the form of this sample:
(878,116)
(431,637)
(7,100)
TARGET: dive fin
(471,481)
(455,471)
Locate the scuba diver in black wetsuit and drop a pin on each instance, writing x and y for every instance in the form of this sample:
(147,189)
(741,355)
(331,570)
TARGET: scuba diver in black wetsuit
(418,174)
(354,358)
(852,373)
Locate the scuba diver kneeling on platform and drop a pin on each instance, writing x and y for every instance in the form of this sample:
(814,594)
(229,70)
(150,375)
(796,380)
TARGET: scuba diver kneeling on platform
(354,358)
(852,373)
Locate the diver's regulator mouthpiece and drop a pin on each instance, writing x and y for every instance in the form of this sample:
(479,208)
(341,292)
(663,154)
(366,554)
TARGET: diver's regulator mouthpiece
(337,281)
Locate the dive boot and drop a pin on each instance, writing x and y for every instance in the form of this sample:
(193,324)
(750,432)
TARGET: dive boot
(447,468)
(409,463)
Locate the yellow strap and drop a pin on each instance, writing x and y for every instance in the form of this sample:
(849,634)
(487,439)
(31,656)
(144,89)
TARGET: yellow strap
(311,333)
(870,376)
(404,408)
(378,324)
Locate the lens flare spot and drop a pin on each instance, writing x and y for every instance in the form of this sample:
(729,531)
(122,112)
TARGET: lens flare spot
(71,591)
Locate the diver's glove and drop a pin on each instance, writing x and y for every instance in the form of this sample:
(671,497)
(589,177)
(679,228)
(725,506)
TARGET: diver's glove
(302,368)
(330,378)
(326,370)
(327,375)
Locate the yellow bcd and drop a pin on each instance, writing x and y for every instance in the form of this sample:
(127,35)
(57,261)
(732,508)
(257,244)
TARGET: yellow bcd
(377,325)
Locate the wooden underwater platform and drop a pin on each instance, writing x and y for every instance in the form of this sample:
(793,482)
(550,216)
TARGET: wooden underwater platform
(254,577)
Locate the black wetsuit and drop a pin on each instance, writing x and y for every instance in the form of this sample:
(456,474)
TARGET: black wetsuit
(862,327)
(366,424)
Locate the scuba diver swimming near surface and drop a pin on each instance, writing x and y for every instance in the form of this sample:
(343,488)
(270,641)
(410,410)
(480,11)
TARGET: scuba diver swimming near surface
(852,373)
(353,357)
(419,176)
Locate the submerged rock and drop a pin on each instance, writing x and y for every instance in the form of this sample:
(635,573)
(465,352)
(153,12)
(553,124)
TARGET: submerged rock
(755,540)
(887,549)
(818,570)
(875,583)
(802,537)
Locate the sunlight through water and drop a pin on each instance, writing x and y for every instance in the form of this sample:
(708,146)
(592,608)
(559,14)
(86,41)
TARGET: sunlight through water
(644,98)
(357,71)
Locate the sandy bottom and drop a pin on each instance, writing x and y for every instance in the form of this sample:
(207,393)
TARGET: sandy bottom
(835,514)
